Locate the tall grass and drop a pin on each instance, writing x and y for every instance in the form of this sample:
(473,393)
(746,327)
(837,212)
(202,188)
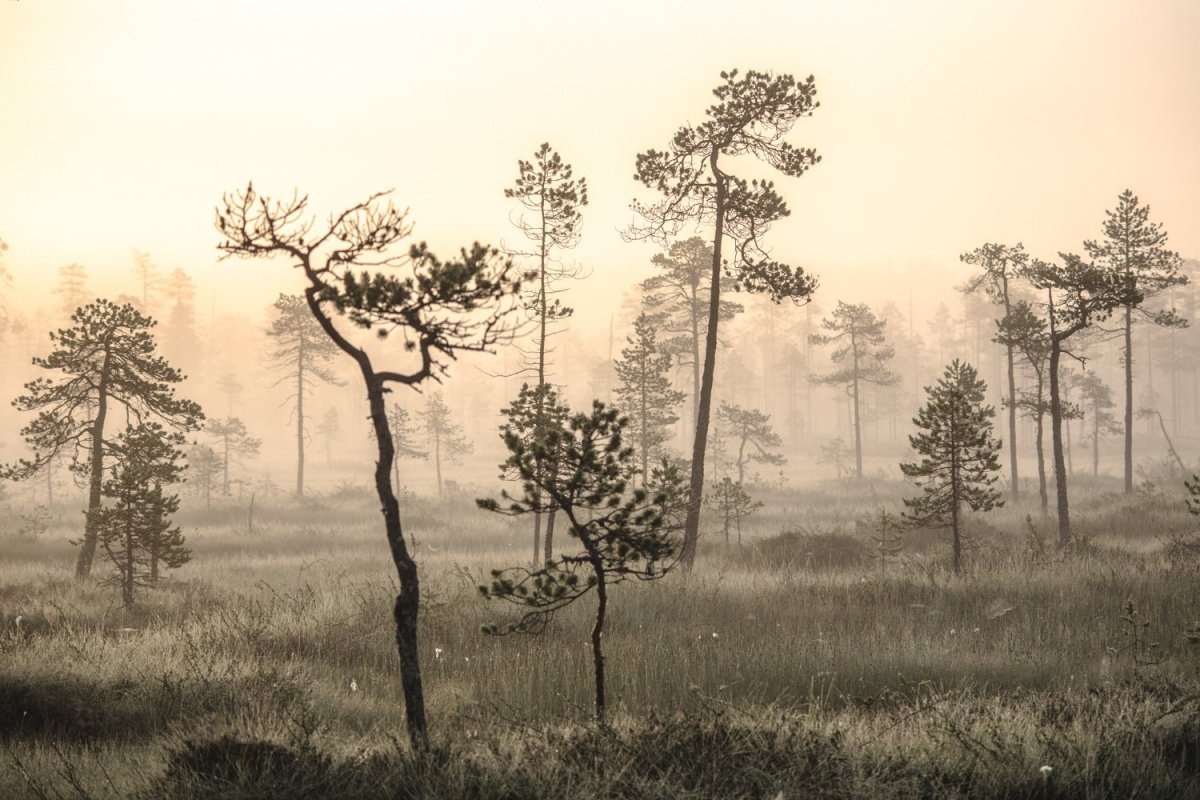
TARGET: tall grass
(794,664)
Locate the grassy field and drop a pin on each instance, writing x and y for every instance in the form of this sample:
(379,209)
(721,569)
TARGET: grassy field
(797,665)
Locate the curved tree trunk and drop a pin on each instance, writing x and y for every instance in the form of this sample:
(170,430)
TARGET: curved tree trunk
(408,599)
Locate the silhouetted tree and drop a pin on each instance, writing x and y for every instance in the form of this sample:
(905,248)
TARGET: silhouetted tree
(1000,266)
(301,354)
(135,530)
(645,395)
(583,469)
(108,356)
(1135,249)
(445,436)
(861,354)
(679,297)
(1078,294)
(751,431)
(959,455)
(752,114)
(441,308)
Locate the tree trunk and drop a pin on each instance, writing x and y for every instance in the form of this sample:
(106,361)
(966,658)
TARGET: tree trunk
(858,459)
(408,599)
(1128,400)
(1096,438)
(550,532)
(300,421)
(597,640)
(127,568)
(1060,461)
(1039,435)
(87,549)
(691,529)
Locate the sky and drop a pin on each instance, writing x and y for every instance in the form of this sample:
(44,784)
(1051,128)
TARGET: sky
(942,125)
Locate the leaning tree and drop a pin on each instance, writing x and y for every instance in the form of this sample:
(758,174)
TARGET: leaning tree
(1134,249)
(440,308)
(301,356)
(752,115)
(678,296)
(107,358)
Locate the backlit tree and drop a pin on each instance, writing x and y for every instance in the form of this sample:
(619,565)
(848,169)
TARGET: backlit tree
(958,454)
(752,115)
(1134,248)
(106,358)
(440,308)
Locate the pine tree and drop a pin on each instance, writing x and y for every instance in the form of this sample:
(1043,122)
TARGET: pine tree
(235,442)
(678,296)
(750,430)
(861,354)
(551,197)
(1134,249)
(1078,295)
(752,115)
(1000,267)
(645,395)
(301,355)
(72,287)
(533,416)
(1097,399)
(958,453)
(135,529)
(583,470)
(730,500)
(107,356)
(204,471)
(1024,331)
(445,436)
(441,308)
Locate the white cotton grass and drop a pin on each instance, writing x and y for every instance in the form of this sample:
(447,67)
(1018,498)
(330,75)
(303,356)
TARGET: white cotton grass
(353,685)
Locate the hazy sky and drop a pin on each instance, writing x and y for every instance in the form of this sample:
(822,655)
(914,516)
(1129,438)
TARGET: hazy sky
(942,124)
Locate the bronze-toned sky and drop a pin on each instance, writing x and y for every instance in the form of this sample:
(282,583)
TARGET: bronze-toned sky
(942,124)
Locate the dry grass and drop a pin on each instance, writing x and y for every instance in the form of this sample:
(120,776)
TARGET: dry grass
(770,669)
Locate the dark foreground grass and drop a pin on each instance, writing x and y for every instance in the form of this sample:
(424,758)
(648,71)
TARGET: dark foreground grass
(799,666)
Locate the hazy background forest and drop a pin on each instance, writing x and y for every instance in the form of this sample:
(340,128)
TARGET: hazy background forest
(826,635)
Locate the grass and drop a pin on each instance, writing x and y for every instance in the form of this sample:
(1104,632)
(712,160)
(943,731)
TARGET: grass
(794,665)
